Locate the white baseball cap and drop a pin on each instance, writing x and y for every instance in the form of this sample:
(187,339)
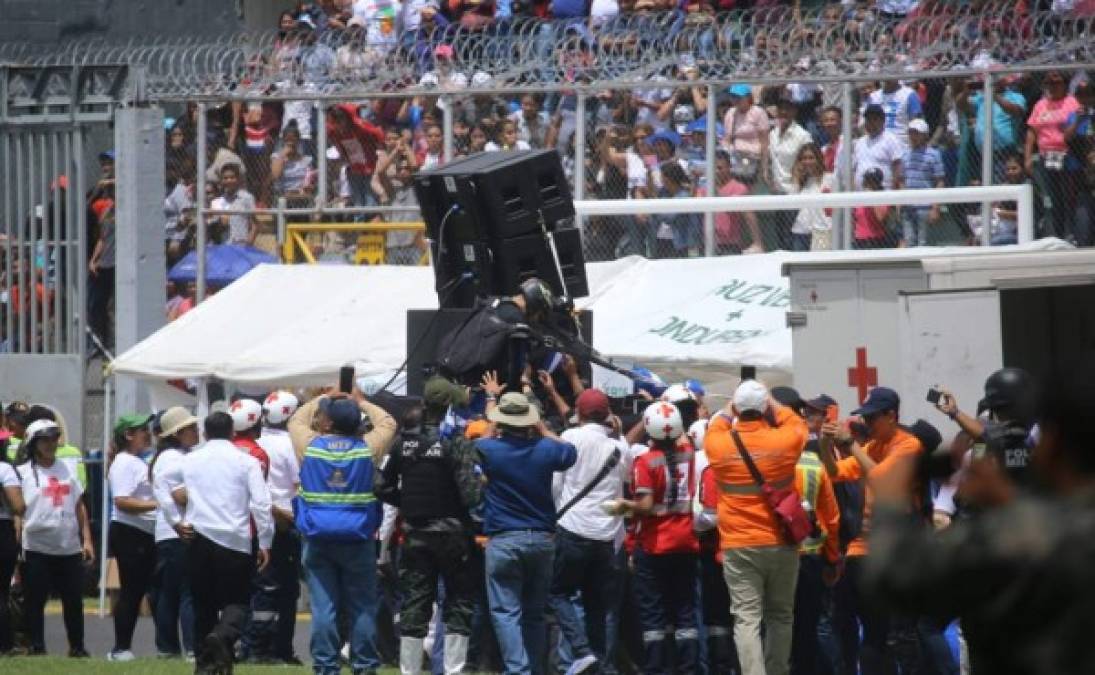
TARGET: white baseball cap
(481,79)
(751,396)
(918,125)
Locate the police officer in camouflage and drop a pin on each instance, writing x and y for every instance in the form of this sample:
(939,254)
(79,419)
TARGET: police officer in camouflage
(433,482)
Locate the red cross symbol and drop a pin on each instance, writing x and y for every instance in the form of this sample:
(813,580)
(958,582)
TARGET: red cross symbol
(56,491)
(861,376)
(284,410)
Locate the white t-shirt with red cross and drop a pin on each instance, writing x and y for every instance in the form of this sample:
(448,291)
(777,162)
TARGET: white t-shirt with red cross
(50,525)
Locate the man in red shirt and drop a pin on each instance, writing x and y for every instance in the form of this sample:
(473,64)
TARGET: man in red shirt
(665,553)
(358,142)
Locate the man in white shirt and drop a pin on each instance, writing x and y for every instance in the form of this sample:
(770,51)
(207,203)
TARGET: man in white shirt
(901,104)
(877,149)
(588,539)
(274,604)
(224,490)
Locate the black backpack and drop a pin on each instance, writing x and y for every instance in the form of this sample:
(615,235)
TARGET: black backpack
(849,496)
(477,345)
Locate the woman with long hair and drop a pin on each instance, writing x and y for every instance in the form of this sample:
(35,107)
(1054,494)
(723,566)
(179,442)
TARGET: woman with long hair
(171,588)
(57,540)
(813,226)
(131,527)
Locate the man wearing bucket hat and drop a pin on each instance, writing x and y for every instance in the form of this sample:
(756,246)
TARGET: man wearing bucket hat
(519,519)
(432,480)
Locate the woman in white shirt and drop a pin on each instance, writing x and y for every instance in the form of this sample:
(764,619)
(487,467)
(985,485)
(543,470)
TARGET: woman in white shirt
(813,227)
(171,587)
(11,505)
(131,526)
(57,539)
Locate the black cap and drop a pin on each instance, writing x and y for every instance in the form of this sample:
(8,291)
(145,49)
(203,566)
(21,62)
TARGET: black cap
(880,400)
(874,109)
(787,396)
(821,402)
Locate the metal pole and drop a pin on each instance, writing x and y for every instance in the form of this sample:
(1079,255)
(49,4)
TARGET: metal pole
(199,196)
(446,121)
(31,261)
(847,177)
(104,516)
(986,158)
(1025,204)
(321,154)
(79,255)
(18,341)
(282,202)
(709,160)
(53,250)
(580,156)
(9,224)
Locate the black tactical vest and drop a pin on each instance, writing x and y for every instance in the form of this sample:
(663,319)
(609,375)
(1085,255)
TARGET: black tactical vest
(428,489)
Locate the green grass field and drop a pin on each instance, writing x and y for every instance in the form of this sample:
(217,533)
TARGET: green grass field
(54,665)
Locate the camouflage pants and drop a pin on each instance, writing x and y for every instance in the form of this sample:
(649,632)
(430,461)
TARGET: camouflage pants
(425,558)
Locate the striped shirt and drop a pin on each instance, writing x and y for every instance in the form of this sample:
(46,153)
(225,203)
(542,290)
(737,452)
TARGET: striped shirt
(922,168)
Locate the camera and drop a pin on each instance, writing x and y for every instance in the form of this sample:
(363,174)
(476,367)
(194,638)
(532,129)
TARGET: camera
(934,395)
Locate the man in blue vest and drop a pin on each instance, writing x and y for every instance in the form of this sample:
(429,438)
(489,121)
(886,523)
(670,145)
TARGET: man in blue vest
(337,516)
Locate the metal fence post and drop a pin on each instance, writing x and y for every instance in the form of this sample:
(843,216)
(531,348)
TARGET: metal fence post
(446,122)
(282,203)
(321,155)
(847,176)
(580,156)
(987,159)
(199,197)
(709,164)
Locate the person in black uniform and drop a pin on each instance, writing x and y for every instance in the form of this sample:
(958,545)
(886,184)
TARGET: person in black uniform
(433,482)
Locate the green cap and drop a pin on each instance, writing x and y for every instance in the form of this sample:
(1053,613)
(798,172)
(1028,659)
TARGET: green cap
(131,421)
(441,393)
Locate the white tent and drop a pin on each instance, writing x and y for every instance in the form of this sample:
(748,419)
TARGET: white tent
(296,325)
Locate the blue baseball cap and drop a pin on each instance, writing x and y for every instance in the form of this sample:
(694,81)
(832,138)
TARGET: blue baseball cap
(671,137)
(344,414)
(739,90)
(880,400)
(108,154)
(648,381)
(695,387)
(700,126)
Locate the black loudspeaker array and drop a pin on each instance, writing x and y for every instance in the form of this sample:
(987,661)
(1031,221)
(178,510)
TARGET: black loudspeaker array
(485,216)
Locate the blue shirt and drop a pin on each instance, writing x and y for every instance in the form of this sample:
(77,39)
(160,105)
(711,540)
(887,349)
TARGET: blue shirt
(519,472)
(1003,124)
(922,168)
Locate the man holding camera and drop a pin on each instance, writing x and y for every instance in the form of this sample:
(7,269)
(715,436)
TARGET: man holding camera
(337,516)
(887,446)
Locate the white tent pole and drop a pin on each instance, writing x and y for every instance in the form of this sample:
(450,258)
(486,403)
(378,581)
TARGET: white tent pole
(105,516)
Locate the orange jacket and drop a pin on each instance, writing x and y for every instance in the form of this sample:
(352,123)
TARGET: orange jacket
(902,444)
(745,519)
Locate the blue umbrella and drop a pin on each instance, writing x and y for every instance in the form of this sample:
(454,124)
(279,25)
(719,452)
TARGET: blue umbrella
(223,264)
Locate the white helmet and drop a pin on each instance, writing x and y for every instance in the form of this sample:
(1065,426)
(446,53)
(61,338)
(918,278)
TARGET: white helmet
(245,414)
(663,422)
(279,406)
(677,393)
(697,432)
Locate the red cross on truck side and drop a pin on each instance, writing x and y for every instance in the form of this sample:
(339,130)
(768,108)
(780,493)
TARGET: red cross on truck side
(56,491)
(862,376)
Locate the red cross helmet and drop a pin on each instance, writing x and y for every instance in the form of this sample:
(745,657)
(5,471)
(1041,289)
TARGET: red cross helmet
(677,393)
(245,414)
(663,422)
(697,432)
(279,407)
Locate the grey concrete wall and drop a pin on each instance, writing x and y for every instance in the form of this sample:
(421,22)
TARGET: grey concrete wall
(51,21)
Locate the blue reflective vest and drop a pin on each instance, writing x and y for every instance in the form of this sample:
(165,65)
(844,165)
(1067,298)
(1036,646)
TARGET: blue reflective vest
(336,501)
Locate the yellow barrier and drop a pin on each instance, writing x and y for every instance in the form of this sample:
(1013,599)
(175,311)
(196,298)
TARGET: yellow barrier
(369,248)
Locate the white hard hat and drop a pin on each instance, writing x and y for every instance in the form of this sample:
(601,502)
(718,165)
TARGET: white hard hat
(280,406)
(697,432)
(245,414)
(663,422)
(677,393)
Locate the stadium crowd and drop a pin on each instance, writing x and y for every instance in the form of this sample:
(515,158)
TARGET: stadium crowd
(651,143)
(542,530)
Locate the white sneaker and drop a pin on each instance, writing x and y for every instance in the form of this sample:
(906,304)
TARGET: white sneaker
(582,665)
(754,249)
(122,656)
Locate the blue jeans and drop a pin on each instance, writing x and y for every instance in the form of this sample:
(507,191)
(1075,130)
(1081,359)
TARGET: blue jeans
(914,221)
(519,570)
(593,568)
(342,576)
(173,607)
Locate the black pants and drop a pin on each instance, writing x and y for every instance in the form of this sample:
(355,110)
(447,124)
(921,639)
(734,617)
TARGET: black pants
(220,583)
(722,653)
(9,554)
(135,551)
(425,557)
(593,568)
(853,612)
(665,591)
(274,601)
(809,602)
(100,291)
(64,574)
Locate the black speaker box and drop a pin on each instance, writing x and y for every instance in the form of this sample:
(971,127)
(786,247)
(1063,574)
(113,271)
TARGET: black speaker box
(498,194)
(424,332)
(519,258)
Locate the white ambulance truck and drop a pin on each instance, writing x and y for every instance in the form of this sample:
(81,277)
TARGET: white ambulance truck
(913,319)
